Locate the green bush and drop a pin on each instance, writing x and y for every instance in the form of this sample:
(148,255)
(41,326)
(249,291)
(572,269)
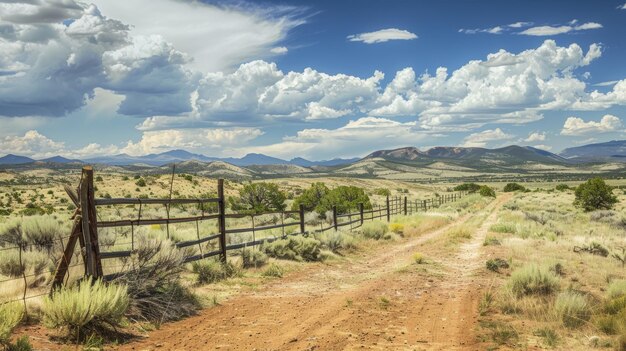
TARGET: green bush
(88,306)
(487,191)
(594,194)
(469,187)
(374,230)
(496,264)
(211,271)
(311,197)
(42,231)
(259,197)
(562,187)
(533,280)
(572,309)
(140,182)
(253,258)
(345,198)
(382,192)
(297,248)
(511,187)
(21,344)
(10,316)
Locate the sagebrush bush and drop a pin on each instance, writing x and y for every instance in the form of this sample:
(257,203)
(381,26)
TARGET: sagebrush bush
(533,280)
(42,231)
(253,258)
(11,315)
(397,228)
(572,308)
(374,230)
(617,288)
(88,306)
(419,258)
(32,262)
(336,241)
(273,270)
(504,227)
(211,271)
(297,248)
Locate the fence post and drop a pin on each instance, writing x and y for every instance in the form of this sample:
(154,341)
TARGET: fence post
(222,219)
(88,224)
(301,218)
(335,217)
(388,213)
(405,209)
(361,211)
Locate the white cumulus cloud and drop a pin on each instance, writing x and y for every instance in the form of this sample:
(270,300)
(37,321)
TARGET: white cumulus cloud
(481,139)
(383,35)
(577,126)
(555,30)
(535,136)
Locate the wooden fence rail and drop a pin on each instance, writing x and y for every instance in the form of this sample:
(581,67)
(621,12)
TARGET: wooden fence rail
(85,230)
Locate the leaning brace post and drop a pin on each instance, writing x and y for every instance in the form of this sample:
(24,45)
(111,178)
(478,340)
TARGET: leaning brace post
(222,219)
(335,217)
(301,219)
(361,212)
(388,213)
(86,191)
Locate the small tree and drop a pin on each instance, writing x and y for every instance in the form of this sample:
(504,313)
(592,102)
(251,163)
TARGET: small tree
(594,194)
(311,197)
(258,198)
(469,187)
(487,191)
(140,182)
(511,187)
(345,198)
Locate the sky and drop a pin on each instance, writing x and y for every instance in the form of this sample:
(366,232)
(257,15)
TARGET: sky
(315,79)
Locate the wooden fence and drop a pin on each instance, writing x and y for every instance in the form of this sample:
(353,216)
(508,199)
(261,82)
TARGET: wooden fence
(87,224)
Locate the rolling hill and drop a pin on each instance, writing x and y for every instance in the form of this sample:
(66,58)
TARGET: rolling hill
(611,151)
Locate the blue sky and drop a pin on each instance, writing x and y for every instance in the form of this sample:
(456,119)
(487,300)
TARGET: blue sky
(319,79)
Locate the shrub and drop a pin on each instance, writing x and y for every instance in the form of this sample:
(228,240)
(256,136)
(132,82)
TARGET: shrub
(295,248)
(88,306)
(511,187)
(258,198)
(491,240)
(10,316)
(496,263)
(374,230)
(397,228)
(486,191)
(253,258)
(469,187)
(345,198)
(311,197)
(382,192)
(21,344)
(572,308)
(273,270)
(533,280)
(336,241)
(617,288)
(594,194)
(140,182)
(562,187)
(42,231)
(418,258)
(153,282)
(211,271)
(504,227)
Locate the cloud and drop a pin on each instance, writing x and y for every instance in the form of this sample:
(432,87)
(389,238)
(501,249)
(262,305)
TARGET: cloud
(606,84)
(30,144)
(481,139)
(513,28)
(206,32)
(279,50)
(382,36)
(357,137)
(577,126)
(555,30)
(535,136)
(622,7)
(543,147)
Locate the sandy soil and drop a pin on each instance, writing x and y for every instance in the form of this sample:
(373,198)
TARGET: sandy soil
(384,302)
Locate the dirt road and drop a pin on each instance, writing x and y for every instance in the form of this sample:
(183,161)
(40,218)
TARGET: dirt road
(379,302)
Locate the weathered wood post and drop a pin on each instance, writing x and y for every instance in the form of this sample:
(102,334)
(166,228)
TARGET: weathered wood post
(361,212)
(221,218)
(388,213)
(405,206)
(301,218)
(335,217)
(88,224)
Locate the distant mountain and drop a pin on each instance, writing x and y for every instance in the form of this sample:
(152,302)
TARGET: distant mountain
(60,159)
(15,160)
(600,152)
(475,156)
(254,159)
(299,161)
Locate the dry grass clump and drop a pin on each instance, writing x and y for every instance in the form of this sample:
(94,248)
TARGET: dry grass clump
(572,308)
(253,258)
(336,241)
(211,271)
(419,258)
(616,288)
(273,270)
(11,315)
(87,307)
(296,248)
(374,230)
(533,279)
